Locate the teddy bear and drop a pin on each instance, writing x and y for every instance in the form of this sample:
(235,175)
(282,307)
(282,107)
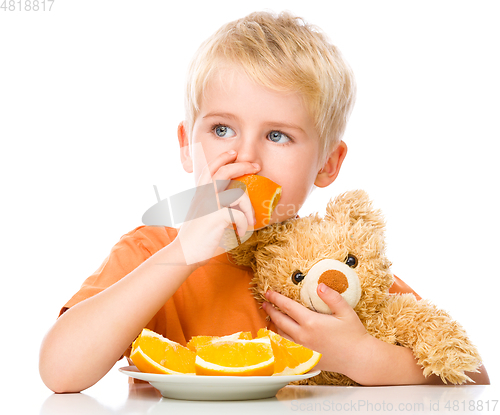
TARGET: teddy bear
(346,250)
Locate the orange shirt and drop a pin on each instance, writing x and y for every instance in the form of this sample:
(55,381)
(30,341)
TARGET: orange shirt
(214,300)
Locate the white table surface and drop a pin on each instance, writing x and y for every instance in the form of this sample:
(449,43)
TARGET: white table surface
(114,395)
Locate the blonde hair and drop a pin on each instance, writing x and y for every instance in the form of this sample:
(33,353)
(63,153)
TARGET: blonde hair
(284,53)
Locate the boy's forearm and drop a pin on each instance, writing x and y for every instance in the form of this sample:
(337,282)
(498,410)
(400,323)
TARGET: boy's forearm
(381,363)
(87,340)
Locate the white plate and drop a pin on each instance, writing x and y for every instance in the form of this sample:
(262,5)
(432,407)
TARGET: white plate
(215,388)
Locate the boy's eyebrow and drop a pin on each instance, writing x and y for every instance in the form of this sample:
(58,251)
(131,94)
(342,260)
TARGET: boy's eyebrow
(277,124)
(221,114)
(286,125)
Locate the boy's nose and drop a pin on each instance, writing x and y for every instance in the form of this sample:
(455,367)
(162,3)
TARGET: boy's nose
(247,148)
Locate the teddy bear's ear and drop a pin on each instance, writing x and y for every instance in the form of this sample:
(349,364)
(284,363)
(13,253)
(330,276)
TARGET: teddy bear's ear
(354,206)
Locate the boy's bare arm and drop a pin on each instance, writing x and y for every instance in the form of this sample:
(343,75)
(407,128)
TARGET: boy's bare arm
(380,363)
(346,346)
(88,339)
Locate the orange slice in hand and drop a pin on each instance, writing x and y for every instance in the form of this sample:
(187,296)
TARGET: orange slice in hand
(290,358)
(153,353)
(264,195)
(235,358)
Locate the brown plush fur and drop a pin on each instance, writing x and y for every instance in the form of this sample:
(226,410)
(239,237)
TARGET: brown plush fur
(352,226)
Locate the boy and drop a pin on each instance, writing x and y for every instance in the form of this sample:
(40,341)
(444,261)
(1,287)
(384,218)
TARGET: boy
(266,95)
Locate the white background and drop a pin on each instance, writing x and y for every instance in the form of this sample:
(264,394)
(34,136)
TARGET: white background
(91,94)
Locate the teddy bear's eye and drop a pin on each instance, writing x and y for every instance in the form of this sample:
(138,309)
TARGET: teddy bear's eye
(351,261)
(297,276)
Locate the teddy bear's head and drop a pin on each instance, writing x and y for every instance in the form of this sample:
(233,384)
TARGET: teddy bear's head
(345,250)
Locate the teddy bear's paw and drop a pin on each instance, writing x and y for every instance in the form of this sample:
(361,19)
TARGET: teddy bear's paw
(327,378)
(453,377)
(451,367)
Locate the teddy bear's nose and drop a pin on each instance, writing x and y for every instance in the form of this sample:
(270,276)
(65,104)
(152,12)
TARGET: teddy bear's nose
(334,279)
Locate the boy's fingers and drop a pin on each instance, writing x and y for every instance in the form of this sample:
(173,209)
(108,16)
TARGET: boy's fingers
(283,322)
(238,201)
(337,304)
(283,334)
(221,185)
(244,205)
(223,168)
(238,218)
(290,307)
(237,169)
(229,197)
(214,165)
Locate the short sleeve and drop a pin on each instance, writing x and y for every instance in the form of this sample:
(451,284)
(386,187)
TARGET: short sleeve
(400,287)
(131,251)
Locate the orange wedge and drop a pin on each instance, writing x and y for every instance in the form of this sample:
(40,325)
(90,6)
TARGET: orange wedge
(153,353)
(198,341)
(235,358)
(290,358)
(233,355)
(264,195)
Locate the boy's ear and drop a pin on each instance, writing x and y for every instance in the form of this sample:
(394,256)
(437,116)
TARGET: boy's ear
(182,136)
(331,168)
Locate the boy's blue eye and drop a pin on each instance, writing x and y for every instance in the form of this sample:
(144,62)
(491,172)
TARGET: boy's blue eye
(278,137)
(223,131)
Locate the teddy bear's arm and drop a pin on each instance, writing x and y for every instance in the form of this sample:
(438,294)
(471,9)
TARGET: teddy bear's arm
(440,344)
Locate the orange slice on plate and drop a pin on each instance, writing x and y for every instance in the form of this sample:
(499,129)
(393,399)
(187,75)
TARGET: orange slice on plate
(290,358)
(198,341)
(153,353)
(263,193)
(235,358)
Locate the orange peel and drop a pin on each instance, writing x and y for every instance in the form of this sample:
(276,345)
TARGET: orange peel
(264,194)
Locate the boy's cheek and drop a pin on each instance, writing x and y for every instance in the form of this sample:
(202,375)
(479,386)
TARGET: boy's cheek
(283,212)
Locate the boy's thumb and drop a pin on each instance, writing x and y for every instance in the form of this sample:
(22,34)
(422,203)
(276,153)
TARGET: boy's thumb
(337,304)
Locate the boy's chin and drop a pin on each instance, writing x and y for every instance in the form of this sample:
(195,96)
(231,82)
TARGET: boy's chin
(282,218)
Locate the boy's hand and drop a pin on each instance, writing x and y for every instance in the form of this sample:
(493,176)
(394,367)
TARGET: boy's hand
(201,233)
(338,337)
